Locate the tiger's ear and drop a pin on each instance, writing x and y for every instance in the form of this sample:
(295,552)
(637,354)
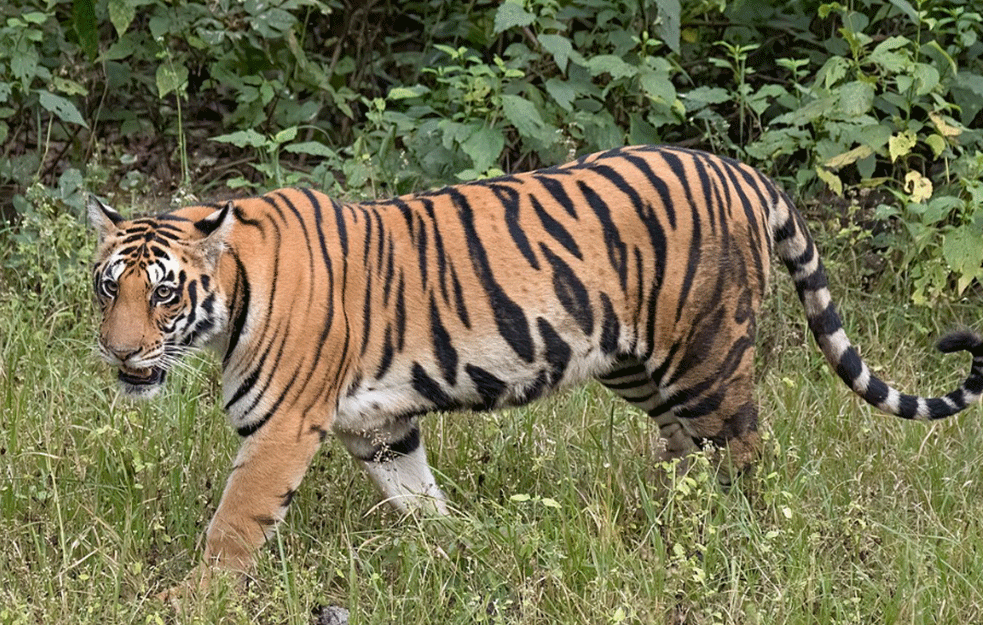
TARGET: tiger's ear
(216,228)
(102,218)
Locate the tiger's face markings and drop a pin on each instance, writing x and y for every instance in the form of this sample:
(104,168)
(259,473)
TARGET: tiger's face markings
(154,288)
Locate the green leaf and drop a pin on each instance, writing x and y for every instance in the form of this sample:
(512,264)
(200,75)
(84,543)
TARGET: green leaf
(121,14)
(84,21)
(926,78)
(243,138)
(610,64)
(524,115)
(562,91)
(962,250)
(937,143)
(311,148)
(849,157)
(900,144)
(560,47)
(24,66)
(832,180)
(668,22)
(885,56)
(511,15)
(905,7)
(61,108)
(171,77)
(285,136)
(856,98)
(483,147)
(406,93)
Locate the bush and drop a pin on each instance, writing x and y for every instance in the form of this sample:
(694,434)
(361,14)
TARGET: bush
(876,101)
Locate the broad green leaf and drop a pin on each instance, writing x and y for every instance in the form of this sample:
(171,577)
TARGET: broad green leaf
(311,148)
(285,136)
(562,91)
(171,77)
(243,138)
(510,15)
(900,144)
(35,17)
(886,56)
(962,251)
(62,108)
(560,47)
(668,23)
(484,147)
(856,98)
(658,86)
(926,78)
(611,64)
(121,14)
(937,143)
(24,66)
(406,93)
(699,98)
(905,7)
(524,115)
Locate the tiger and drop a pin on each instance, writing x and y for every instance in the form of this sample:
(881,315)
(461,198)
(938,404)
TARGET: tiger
(642,267)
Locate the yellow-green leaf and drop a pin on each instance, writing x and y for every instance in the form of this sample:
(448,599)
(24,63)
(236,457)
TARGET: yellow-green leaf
(917,186)
(900,145)
(832,180)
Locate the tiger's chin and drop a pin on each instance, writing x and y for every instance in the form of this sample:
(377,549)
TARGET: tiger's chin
(141,383)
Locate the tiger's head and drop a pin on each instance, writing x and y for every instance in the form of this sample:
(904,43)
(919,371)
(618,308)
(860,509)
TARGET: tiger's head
(156,286)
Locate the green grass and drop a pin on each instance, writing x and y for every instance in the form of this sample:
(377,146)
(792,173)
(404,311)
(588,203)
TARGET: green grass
(850,517)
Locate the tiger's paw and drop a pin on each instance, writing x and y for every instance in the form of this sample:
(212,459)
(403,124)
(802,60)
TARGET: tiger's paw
(201,583)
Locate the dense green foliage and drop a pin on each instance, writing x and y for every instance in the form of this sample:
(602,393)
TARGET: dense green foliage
(873,101)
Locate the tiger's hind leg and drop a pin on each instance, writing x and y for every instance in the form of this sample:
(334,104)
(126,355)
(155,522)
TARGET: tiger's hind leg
(719,412)
(631,381)
(396,460)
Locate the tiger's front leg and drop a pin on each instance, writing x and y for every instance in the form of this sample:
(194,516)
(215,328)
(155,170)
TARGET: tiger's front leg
(395,459)
(267,472)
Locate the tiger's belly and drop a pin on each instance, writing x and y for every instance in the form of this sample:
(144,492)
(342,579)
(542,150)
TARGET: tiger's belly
(485,383)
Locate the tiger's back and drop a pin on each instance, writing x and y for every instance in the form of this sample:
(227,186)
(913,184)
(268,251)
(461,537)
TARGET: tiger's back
(642,267)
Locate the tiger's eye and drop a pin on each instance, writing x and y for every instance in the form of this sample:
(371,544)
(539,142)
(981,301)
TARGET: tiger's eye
(110,287)
(163,292)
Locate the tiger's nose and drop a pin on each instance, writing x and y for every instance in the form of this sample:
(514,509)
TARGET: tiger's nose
(122,352)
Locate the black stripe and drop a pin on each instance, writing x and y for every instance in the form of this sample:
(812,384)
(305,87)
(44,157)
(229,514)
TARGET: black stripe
(442,346)
(555,229)
(510,319)
(459,305)
(490,388)
(555,187)
(509,198)
(430,389)
(616,248)
(570,291)
(610,327)
(239,306)
(557,351)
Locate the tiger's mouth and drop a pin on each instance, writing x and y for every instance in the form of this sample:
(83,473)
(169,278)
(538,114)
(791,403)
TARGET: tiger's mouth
(138,380)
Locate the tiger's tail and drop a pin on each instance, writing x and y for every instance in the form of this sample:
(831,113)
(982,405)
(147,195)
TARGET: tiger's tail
(794,246)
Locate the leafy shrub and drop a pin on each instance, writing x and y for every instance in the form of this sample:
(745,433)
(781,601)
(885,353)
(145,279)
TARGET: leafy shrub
(876,100)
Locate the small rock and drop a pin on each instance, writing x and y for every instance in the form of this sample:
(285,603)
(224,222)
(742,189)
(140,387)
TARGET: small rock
(331,615)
